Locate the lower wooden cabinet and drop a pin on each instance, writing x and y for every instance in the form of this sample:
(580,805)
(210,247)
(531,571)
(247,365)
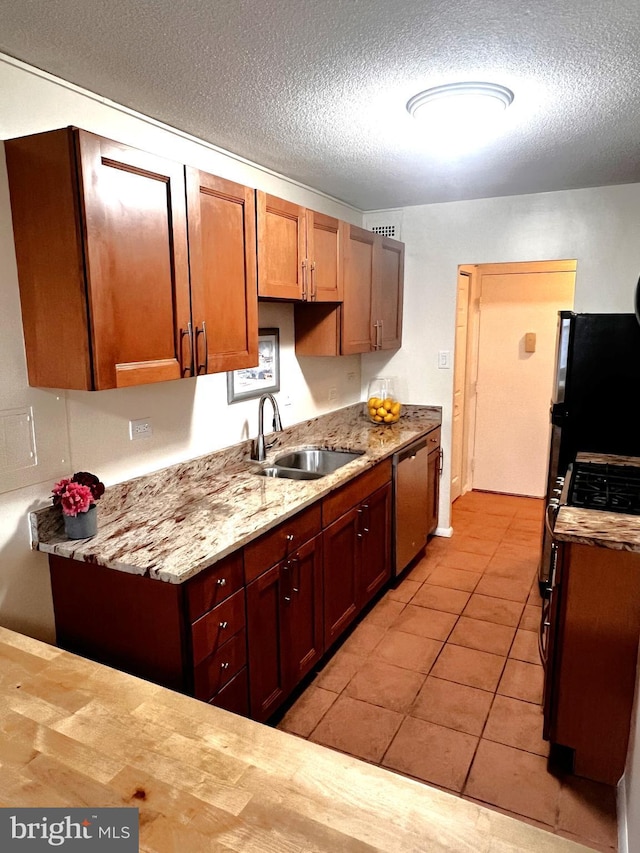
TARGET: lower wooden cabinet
(243,633)
(592,654)
(357,561)
(284,616)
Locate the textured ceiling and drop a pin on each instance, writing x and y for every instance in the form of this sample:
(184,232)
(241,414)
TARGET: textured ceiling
(316,89)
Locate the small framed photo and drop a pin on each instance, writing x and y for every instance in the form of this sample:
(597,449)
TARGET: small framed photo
(254,381)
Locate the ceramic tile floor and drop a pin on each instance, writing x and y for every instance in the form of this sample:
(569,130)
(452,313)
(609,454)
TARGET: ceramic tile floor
(442,681)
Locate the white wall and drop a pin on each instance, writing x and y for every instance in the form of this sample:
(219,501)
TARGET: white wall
(599,227)
(89,431)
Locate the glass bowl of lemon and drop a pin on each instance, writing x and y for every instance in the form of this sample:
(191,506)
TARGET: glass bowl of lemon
(382,406)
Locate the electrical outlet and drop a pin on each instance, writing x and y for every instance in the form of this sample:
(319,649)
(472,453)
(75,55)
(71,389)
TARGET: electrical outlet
(333,394)
(140,429)
(351,375)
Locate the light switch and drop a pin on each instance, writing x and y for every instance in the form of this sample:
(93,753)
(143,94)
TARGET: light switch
(530,342)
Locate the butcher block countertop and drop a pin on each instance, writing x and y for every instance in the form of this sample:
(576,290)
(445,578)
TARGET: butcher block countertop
(76,733)
(173,523)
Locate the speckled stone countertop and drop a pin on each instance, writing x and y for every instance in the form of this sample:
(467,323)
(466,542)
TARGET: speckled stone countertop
(175,522)
(614,530)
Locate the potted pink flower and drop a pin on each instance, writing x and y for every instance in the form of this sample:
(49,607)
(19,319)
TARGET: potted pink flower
(76,496)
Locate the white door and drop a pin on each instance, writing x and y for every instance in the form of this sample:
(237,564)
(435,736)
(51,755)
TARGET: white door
(514,385)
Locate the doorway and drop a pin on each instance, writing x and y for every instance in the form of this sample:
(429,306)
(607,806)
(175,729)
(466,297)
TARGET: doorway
(506,324)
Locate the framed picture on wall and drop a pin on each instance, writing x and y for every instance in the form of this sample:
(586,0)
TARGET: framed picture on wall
(254,381)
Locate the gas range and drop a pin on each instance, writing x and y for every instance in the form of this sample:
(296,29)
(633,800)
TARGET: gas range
(604,486)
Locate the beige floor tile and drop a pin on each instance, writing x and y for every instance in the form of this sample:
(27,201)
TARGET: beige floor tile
(516,723)
(339,671)
(454,578)
(530,620)
(383,684)
(424,622)
(364,638)
(525,647)
(513,590)
(514,780)
(588,809)
(490,609)
(485,636)
(457,558)
(469,666)
(405,590)
(357,728)
(455,706)
(408,651)
(440,598)
(384,612)
(431,753)
(302,718)
(521,680)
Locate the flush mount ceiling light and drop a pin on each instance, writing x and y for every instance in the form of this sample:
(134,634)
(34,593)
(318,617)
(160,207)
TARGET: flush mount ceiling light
(460,115)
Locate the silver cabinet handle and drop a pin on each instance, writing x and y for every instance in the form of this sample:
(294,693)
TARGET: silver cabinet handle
(204,366)
(223,625)
(304,280)
(221,581)
(314,294)
(188,333)
(224,665)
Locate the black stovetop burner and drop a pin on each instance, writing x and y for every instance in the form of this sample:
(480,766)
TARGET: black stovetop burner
(613,488)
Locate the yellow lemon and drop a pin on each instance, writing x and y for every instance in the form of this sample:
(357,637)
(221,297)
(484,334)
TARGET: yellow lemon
(375,403)
(395,418)
(388,418)
(373,412)
(387,403)
(378,419)
(382,411)
(395,409)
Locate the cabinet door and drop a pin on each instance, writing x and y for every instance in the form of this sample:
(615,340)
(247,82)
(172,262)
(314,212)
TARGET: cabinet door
(388,286)
(303,630)
(341,559)
(136,262)
(222,262)
(281,248)
(324,253)
(356,317)
(375,538)
(267,677)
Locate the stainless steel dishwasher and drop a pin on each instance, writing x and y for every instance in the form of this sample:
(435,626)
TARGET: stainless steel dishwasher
(410,503)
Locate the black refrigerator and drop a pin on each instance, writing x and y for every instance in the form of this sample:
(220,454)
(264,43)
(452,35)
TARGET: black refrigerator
(595,395)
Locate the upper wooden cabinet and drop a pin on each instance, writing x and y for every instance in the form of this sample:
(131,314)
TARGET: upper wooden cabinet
(370,316)
(103,264)
(299,256)
(224,303)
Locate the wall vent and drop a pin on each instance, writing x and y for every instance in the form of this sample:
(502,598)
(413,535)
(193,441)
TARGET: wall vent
(385,230)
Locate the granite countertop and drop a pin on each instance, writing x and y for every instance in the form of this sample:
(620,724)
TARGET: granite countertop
(173,523)
(81,734)
(615,530)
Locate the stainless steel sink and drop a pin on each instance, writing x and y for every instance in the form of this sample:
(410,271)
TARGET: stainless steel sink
(309,464)
(316,460)
(288,473)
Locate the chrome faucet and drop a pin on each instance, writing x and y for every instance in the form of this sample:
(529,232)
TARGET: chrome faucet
(260,447)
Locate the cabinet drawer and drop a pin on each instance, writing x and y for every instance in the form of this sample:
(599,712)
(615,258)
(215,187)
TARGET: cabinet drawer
(213,585)
(433,439)
(217,626)
(348,496)
(211,674)
(234,696)
(280,542)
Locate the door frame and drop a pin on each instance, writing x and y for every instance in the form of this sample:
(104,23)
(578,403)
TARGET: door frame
(469,350)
